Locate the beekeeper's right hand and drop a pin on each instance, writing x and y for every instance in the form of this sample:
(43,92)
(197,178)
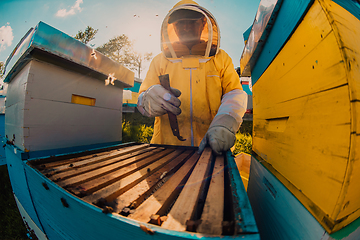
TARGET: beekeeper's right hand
(157,101)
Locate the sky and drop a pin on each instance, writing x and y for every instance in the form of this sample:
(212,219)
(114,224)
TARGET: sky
(140,20)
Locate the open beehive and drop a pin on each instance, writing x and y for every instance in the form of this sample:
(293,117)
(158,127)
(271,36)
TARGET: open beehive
(173,187)
(73,178)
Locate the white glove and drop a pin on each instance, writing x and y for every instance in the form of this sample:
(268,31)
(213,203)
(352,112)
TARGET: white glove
(221,134)
(156,101)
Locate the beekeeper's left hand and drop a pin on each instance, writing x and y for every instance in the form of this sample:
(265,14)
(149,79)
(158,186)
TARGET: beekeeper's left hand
(220,135)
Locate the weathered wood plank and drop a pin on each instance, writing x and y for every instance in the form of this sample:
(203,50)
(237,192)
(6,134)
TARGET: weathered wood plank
(243,162)
(290,14)
(111,163)
(346,26)
(163,197)
(52,167)
(136,195)
(244,217)
(111,173)
(314,129)
(112,191)
(212,215)
(52,162)
(186,203)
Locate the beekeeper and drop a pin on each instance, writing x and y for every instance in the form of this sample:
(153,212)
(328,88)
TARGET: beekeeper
(206,94)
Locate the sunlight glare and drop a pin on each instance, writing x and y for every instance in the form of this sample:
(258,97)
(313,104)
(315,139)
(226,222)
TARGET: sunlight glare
(144,31)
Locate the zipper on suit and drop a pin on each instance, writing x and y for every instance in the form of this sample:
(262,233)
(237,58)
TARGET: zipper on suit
(191,111)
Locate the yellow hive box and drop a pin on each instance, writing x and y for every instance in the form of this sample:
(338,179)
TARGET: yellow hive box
(307,115)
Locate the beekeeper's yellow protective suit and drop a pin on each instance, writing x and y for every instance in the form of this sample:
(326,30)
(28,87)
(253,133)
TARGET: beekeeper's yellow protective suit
(204,74)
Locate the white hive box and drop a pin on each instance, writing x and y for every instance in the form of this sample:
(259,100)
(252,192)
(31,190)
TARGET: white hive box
(57,97)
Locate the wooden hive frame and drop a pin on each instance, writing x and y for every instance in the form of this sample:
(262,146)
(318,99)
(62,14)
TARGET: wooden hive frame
(173,187)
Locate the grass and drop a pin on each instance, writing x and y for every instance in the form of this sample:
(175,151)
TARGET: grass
(11,224)
(243,143)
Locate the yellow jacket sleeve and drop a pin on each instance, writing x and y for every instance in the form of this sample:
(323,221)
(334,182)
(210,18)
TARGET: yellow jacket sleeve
(228,75)
(152,76)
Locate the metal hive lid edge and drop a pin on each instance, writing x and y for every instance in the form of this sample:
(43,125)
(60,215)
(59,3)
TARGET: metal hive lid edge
(48,39)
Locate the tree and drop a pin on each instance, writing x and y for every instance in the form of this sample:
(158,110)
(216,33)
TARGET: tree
(135,61)
(120,49)
(2,68)
(87,35)
(117,48)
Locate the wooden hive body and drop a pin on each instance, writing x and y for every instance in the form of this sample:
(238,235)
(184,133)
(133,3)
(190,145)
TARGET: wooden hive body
(307,111)
(57,97)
